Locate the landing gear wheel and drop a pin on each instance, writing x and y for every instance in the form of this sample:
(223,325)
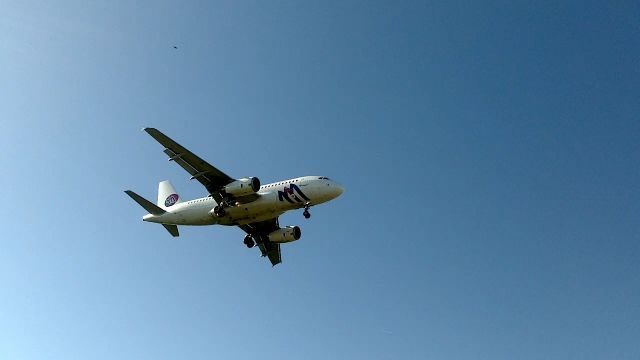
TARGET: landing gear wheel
(306,211)
(219,211)
(248,240)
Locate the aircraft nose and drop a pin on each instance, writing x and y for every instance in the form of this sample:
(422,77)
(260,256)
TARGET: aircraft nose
(338,189)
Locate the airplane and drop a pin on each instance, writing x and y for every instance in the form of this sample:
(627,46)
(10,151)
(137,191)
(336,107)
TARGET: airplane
(244,202)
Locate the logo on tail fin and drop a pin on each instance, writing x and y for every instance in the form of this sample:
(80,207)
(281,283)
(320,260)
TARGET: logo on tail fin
(171,200)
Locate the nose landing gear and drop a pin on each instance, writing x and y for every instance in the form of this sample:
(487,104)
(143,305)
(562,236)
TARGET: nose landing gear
(248,240)
(306,212)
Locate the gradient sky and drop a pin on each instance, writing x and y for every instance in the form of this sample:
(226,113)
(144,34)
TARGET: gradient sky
(489,152)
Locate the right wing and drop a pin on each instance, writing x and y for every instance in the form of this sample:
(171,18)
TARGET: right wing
(212,179)
(260,232)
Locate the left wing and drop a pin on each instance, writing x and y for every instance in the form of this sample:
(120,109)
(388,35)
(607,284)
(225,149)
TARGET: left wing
(260,232)
(212,179)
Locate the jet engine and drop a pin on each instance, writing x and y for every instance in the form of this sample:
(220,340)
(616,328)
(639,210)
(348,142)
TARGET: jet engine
(243,186)
(285,235)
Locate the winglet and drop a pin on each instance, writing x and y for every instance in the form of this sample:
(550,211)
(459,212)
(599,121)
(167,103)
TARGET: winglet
(151,131)
(146,204)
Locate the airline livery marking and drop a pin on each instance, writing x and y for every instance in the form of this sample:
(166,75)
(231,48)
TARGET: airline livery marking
(287,191)
(171,199)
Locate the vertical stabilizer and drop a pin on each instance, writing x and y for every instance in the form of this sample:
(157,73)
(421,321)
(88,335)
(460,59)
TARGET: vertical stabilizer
(167,195)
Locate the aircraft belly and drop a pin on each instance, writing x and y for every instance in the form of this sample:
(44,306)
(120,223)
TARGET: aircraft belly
(192,216)
(266,207)
(259,217)
(201,216)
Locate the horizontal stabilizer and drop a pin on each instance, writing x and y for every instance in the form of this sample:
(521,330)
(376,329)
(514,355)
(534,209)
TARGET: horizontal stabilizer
(172,229)
(146,204)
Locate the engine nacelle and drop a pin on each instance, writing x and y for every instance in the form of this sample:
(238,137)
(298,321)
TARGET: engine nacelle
(285,235)
(243,186)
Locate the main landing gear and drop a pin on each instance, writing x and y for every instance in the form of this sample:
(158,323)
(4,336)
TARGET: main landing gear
(306,212)
(248,240)
(219,211)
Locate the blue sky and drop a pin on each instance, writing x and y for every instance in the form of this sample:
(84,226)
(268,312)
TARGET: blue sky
(489,153)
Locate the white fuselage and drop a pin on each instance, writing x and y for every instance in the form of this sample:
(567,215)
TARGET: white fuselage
(274,199)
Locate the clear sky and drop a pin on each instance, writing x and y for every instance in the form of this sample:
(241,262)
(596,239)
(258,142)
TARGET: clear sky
(489,152)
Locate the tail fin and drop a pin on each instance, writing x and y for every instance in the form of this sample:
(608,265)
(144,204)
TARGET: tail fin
(167,195)
(146,204)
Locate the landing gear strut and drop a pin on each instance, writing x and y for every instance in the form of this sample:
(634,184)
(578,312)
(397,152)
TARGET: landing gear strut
(306,212)
(248,240)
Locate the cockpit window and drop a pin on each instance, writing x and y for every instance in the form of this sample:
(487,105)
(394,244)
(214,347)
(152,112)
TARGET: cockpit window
(323,178)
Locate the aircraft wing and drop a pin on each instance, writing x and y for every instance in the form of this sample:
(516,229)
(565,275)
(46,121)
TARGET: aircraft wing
(212,178)
(260,232)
